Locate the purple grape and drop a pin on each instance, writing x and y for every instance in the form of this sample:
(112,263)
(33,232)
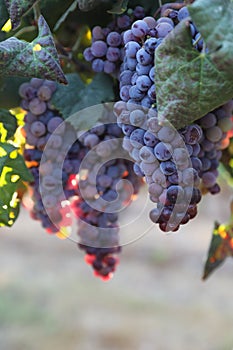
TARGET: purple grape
(140,29)
(163,29)
(99,48)
(98,65)
(114,39)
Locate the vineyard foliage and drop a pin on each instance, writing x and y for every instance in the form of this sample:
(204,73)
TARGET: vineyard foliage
(47,39)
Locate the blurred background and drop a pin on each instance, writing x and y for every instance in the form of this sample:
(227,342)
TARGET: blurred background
(49,297)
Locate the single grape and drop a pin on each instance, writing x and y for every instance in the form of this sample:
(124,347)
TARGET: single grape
(98,65)
(143,57)
(114,39)
(44,93)
(99,48)
(183,13)
(161,152)
(37,107)
(38,129)
(140,29)
(163,29)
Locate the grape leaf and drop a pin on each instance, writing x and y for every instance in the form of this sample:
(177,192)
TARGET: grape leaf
(86,118)
(67,96)
(217,32)
(120,7)
(3,13)
(17,8)
(12,172)
(76,97)
(38,58)
(188,83)
(8,122)
(9,91)
(221,247)
(100,90)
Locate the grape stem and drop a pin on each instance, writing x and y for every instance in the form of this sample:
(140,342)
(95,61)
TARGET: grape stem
(25,30)
(37,13)
(76,45)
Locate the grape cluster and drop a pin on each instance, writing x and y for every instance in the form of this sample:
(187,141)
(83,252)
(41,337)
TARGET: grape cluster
(100,196)
(105,53)
(44,126)
(215,126)
(79,173)
(174,163)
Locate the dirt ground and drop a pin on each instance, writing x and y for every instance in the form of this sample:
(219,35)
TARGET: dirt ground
(49,298)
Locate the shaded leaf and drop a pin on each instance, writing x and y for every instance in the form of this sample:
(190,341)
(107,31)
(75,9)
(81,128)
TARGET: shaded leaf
(36,59)
(67,96)
(100,90)
(87,118)
(120,7)
(3,13)
(188,84)
(56,7)
(12,172)
(217,32)
(221,247)
(17,8)
(8,122)
(9,91)
(77,97)
(62,19)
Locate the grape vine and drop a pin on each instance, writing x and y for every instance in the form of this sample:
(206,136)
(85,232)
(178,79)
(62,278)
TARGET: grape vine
(100,98)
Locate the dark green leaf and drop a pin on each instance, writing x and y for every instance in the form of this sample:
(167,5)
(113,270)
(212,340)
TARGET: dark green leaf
(17,8)
(3,13)
(9,95)
(62,19)
(221,247)
(12,172)
(188,83)
(217,31)
(99,91)
(67,96)
(120,7)
(9,123)
(77,97)
(36,59)
(86,118)
(56,7)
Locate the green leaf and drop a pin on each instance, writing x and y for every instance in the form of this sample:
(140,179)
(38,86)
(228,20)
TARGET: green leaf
(100,90)
(12,172)
(221,247)
(217,31)
(18,8)
(86,118)
(3,13)
(9,91)
(67,96)
(9,123)
(120,7)
(188,83)
(56,7)
(36,59)
(76,97)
